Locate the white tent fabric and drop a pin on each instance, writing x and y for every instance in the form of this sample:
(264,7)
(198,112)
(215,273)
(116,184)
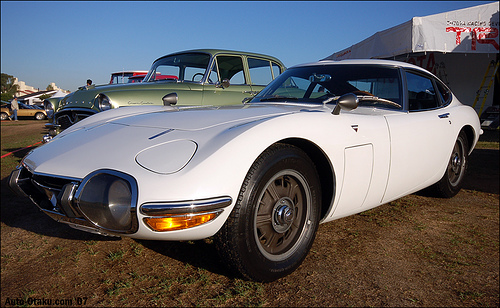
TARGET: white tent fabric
(59,93)
(469,30)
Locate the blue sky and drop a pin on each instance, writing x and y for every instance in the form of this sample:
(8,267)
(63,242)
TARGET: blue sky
(69,42)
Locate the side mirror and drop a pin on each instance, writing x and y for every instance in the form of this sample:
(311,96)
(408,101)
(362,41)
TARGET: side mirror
(224,84)
(347,102)
(170,99)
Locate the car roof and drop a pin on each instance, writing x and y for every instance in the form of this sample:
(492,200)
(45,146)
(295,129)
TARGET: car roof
(363,62)
(213,52)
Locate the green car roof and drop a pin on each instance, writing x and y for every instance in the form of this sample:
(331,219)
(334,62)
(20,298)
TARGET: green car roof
(214,52)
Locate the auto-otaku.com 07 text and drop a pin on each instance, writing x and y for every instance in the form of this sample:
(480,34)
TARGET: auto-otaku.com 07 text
(33,301)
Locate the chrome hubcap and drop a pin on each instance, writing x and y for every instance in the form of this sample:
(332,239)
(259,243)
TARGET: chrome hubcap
(456,166)
(283,215)
(456,163)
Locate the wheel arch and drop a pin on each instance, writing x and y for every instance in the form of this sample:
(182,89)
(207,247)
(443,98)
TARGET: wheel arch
(469,132)
(324,169)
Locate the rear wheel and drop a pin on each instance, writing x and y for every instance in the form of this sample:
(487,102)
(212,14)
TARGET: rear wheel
(275,219)
(452,180)
(3,116)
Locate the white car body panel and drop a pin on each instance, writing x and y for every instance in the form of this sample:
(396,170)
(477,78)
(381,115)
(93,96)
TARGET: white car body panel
(377,155)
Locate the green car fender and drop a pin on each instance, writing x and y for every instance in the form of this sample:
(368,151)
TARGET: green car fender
(153,94)
(51,105)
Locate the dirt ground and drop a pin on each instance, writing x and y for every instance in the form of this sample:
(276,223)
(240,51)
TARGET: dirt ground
(417,251)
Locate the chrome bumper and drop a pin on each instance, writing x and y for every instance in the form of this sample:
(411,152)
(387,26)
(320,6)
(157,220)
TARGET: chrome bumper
(54,196)
(53,201)
(54,129)
(185,207)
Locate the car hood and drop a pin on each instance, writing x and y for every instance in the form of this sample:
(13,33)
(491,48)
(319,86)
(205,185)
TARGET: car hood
(181,118)
(201,117)
(114,139)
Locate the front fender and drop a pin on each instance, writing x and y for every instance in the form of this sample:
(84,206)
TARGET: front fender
(54,103)
(153,94)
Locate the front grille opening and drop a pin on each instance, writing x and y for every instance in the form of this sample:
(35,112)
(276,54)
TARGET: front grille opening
(52,182)
(46,192)
(67,118)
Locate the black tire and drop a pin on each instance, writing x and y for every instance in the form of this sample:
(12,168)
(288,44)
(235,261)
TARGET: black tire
(3,116)
(453,178)
(40,116)
(276,216)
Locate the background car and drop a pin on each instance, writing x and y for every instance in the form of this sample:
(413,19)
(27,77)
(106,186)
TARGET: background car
(321,142)
(24,111)
(127,77)
(195,77)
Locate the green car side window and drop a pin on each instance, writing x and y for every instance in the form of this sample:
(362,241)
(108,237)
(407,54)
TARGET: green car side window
(261,72)
(231,68)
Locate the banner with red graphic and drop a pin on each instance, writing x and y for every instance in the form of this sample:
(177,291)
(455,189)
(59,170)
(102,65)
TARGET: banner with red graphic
(470,30)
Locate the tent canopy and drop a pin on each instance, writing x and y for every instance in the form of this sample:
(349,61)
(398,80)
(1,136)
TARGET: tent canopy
(469,30)
(59,93)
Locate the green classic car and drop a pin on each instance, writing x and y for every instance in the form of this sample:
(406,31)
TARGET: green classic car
(193,77)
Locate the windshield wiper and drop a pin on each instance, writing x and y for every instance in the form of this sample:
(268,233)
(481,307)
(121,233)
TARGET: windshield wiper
(277,98)
(331,99)
(366,98)
(378,99)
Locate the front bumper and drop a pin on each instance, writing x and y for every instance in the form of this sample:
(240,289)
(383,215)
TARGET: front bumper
(52,196)
(58,198)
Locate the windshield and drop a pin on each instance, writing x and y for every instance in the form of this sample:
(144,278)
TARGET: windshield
(315,84)
(180,67)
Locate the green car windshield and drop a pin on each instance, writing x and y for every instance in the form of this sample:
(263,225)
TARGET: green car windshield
(179,67)
(319,84)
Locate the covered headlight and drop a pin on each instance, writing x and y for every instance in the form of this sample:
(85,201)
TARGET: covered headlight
(108,199)
(49,108)
(103,102)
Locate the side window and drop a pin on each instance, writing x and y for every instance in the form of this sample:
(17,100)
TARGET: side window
(260,71)
(213,77)
(421,92)
(276,70)
(231,68)
(444,94)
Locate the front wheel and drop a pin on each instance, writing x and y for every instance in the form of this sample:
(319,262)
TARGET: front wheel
(274,221)
(4,116)
(452,180)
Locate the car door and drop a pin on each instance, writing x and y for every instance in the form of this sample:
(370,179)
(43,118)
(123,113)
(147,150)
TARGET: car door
(420,143)
(363,133)
(226,82)
(24,111)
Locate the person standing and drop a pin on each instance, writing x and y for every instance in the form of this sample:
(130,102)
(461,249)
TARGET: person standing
(14,106)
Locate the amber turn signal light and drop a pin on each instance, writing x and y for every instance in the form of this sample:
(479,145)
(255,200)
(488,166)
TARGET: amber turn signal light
(178,222)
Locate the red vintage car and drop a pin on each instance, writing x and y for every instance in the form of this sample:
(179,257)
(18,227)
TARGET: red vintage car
(127,77)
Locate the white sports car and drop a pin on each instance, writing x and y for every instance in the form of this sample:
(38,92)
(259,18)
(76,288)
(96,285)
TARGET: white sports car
(323,141)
